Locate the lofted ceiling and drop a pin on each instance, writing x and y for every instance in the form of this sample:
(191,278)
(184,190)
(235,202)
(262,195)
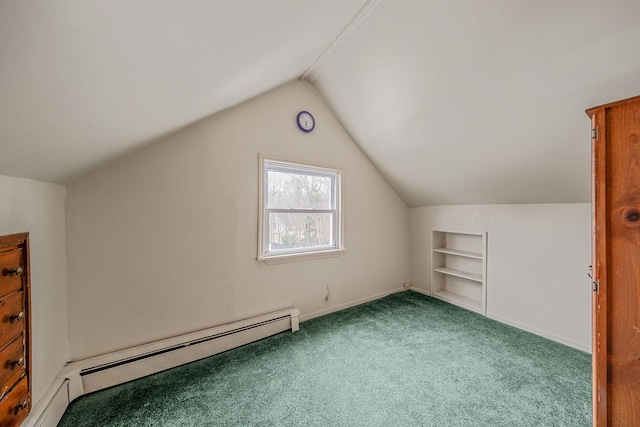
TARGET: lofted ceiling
(84,81)
(474,102)
(455,101)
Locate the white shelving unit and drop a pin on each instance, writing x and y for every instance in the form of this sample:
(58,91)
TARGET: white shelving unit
(459,268)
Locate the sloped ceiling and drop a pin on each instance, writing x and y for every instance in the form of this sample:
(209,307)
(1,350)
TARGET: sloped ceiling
(84,81)
(455,101)
(475,102)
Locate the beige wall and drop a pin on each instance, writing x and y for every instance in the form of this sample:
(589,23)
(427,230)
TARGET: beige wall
(164,241)
(38,208)
(537,259)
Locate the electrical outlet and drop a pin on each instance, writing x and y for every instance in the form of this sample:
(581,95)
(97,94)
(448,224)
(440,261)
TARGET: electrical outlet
(406,285)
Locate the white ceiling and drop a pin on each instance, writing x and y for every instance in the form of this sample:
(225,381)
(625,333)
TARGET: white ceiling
(465,102)
(455,101)
(84,81)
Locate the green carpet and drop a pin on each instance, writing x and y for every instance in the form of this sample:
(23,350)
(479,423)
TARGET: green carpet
(404,360)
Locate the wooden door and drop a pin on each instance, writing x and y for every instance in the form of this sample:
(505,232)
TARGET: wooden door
(616,262)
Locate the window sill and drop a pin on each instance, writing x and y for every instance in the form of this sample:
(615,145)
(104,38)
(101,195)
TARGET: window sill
(281,259)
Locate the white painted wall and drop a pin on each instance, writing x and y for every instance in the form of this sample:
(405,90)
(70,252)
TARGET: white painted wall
(537,260)
(164,241)
(38,208)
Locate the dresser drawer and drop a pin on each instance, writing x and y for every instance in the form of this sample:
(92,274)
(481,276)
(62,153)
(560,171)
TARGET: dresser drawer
(12,365)
(12,271)
(11,322)
(15,406)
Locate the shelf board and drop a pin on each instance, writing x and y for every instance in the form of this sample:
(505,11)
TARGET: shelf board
(459,300)
(468,254)
(458,273)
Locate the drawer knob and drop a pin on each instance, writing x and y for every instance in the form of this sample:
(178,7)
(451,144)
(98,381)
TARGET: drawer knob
(18,316)
(22,406)
(19,362)
(17,271)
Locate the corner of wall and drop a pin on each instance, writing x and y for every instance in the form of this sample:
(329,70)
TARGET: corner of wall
(420,245)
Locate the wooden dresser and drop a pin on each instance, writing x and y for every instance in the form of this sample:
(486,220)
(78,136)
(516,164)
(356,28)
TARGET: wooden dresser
(15,337)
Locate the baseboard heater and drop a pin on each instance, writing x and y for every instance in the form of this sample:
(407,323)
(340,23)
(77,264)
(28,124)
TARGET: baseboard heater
(119,367)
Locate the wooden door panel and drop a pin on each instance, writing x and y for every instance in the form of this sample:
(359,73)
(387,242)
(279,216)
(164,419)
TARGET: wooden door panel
(623,264)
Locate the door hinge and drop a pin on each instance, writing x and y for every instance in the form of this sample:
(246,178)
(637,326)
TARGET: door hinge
(594,133)
(595,285)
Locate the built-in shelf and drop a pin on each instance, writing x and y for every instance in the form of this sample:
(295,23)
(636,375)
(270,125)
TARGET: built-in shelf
(458,273)
(467,254)
(459,268)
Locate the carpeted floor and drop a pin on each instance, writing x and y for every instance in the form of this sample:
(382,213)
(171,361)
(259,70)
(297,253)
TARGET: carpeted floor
(404,360)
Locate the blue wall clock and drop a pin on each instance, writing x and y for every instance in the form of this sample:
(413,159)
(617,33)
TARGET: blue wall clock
(306,122)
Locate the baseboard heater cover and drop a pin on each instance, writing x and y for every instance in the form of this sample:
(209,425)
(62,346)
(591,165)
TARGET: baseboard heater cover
(48,411)
(108,370)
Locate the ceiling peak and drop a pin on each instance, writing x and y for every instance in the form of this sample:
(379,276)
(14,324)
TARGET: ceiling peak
(367,13)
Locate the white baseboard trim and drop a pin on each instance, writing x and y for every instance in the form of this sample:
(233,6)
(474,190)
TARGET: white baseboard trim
(48,411)
(421,291)
(536,331)
(347,305)
(544,334)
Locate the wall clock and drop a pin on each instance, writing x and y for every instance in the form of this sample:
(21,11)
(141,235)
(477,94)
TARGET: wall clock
(306,122)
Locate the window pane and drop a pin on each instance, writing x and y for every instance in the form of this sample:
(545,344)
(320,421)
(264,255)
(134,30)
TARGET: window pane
(287,190)
(299,230)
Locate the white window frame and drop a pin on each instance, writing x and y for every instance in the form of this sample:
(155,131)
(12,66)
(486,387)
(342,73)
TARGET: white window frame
(267,163)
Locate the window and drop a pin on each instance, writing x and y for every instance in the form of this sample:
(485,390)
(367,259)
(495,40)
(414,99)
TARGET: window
(300,211)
